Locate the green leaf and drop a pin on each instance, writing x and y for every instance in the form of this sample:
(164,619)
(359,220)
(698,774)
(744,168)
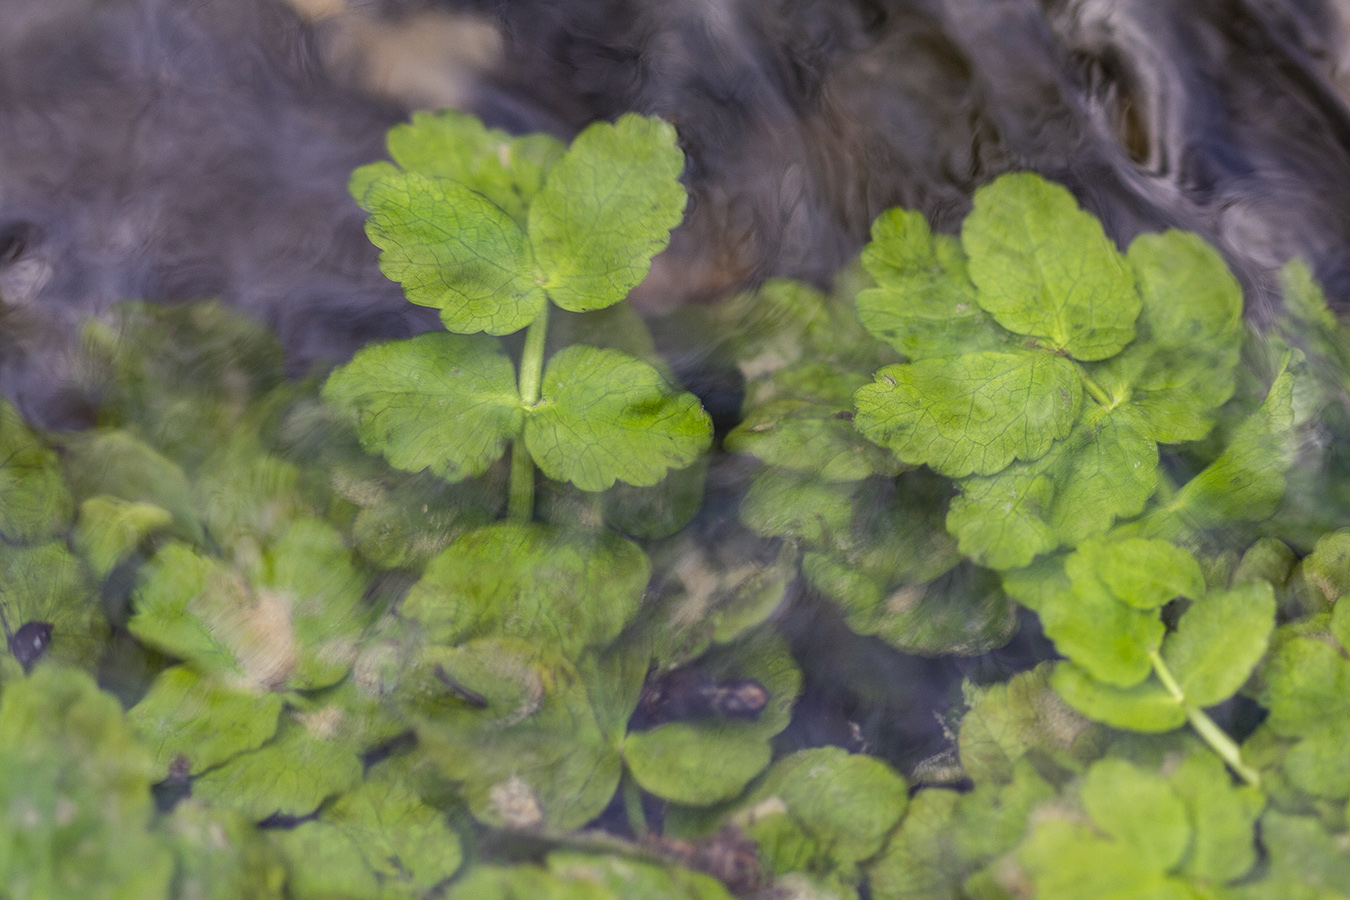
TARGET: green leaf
(1146,706)
(811,429)
(1019,718)
(181,377)
(710,760)
(453,249)
(118,464)
(605,210)
(75,801)
(455,145)
(109,529)
(1219,641)
(605,416)
(999,520)
(1066,861)
(1044,268)
(1137,808)
(1105,470)
(839,807)
(946,836)
(290,775)
(1139,572)
(924,305)
(513,722)
(406,845)
(1181,366)
(34,502)
(971,414)
(45,583)
(1089,625)
(220,855)
(298,626)
(631,879)
(310,570)
(1223,816)
(782,503)
(1246,483)
(1306,861)
(1305,684)
(439,401)
(964,612)
(569,590)
(203,722)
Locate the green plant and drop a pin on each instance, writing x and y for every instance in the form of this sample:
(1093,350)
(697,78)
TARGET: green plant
(361,653)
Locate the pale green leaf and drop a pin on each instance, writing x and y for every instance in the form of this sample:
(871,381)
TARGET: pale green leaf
(1146,706)
(1137,808)
(34,502)
(924,305)
(1138,572)
(439,401)
(185,715)
(606,208)
(1044,268)
(1223,816)
(109,529)
(971,414)
(568,590)
(452,248)
(605,416)
(1219,641)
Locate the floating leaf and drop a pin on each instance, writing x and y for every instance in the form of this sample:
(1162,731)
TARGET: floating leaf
(439,401)
(823,811)
(1139,572)
(44,589)
(1146,706)
(220,855)
(513,722)
(1219,641)
(709,760)
(924,305)
(109,529)
(1045,268)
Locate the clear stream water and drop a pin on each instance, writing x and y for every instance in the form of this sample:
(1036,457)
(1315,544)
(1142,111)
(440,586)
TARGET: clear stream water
(176,150)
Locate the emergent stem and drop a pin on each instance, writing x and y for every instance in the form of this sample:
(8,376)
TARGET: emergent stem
(1094,389)
(520,504)
(1204,726)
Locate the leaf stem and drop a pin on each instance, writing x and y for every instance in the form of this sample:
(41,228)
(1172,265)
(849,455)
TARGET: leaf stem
(520,502)
(632,805)
(1204,726)
(1095,390)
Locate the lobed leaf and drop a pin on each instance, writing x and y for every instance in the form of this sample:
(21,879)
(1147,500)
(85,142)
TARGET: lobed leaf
(1219,641)
(606,209)
(971,414)
(605,416)
(924,305)
(1044,268)
(439,401)
(453,249)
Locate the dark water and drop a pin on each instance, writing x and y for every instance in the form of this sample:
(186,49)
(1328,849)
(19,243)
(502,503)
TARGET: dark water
(178,150)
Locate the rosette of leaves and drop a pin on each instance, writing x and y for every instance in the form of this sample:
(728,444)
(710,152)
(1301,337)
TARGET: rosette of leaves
(1102,606)
(871,543)
(1187,833)
(1043,367)
(492,231)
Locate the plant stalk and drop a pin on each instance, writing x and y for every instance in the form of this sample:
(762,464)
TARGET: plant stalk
(1204,726)
(1094,389)
(520,502)
(632,806)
